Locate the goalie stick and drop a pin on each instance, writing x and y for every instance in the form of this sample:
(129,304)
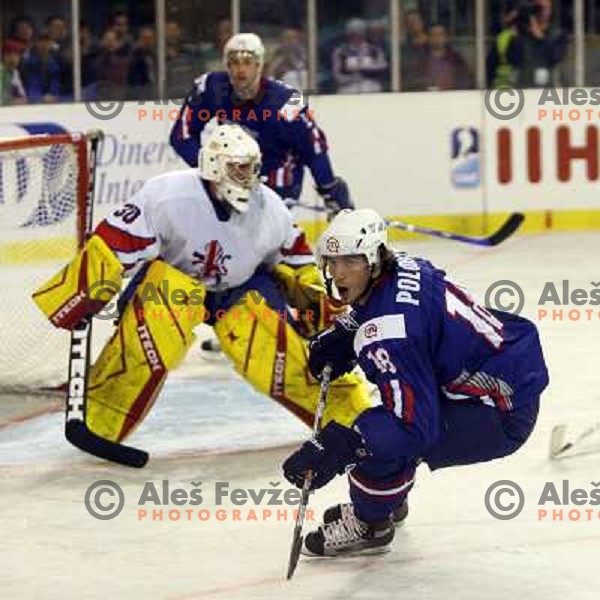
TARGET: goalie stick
(76,430)
(558,437)
(298,539)
(500,235)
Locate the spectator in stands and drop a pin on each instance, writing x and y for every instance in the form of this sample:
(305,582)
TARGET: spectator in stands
(182,62)
(289,62)
(377,35)
(444,68)
(528,49)
(119,23)
(143,68)
(56,27)
(22,29)
(12,90)
(40,71)
(112,64)
(89,61)
(414,52)
(358,66)
(212,53)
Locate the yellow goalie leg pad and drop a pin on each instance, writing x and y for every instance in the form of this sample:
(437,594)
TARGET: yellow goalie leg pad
(153,336)
(81,288)
(271,355)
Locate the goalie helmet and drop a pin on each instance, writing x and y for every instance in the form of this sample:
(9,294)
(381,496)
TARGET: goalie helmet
(248,44)
(354,232)
(231,158)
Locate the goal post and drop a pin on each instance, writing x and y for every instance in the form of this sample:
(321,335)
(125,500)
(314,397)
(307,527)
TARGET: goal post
(44,182)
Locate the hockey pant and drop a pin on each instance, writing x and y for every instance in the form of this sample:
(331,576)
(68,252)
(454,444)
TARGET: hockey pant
(257,333)
(471,432)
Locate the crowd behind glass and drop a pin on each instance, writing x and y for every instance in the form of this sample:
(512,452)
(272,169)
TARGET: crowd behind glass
(527,44)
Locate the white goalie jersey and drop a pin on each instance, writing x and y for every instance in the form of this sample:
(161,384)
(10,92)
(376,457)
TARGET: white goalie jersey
(173,218)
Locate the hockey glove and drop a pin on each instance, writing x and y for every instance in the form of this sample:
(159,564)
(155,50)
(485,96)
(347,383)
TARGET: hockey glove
(335,346)
(336,196)
(334,451)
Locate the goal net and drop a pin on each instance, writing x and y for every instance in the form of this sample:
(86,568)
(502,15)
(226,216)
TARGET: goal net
(43,191)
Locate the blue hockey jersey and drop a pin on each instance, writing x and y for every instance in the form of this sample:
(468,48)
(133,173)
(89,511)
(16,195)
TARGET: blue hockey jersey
(424,341)
(285,129)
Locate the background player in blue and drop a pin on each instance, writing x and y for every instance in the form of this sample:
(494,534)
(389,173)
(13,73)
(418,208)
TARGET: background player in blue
(288,136)
(459,383)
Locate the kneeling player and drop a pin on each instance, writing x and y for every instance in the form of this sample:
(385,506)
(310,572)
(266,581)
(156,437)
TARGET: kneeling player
(459,384)
(214,244)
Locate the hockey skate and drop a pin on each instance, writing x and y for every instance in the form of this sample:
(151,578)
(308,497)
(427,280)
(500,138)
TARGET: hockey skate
(343,510)
(349,536)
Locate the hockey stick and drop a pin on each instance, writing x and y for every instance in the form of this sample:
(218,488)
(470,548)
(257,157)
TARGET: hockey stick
(76,430)
(298,539)
(500,235)
(558,445)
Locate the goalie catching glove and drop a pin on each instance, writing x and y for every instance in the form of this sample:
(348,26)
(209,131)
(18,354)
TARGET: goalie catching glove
(332,452)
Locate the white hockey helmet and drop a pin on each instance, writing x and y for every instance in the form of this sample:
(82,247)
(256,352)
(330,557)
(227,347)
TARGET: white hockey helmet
(231,158)
(353,232)
(245,44)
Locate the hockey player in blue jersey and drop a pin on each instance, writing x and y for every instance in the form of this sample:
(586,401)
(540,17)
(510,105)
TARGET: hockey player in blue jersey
(286,131)
(459,384)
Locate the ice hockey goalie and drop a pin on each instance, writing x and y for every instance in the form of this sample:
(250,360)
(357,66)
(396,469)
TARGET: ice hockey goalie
(205,245)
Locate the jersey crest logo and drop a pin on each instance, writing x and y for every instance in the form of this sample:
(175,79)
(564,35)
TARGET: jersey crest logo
(213,262)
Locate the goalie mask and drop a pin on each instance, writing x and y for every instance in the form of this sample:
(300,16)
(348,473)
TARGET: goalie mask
(231,159)
(349,252)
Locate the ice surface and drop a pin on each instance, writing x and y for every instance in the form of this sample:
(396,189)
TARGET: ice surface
(450,547)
